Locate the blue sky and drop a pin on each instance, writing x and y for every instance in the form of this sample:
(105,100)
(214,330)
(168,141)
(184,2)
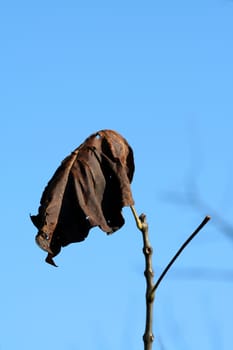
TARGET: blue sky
(161,74)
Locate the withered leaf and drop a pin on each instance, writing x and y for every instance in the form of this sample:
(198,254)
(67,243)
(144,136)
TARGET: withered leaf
(90,188)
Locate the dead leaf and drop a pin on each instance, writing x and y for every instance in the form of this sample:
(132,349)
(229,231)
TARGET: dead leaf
(89,189)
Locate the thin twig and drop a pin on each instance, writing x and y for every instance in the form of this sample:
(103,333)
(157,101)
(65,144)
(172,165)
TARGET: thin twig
(142,225)
(151,288)
(203,223)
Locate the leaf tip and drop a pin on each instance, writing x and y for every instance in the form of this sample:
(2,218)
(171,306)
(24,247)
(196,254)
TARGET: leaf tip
(49,260)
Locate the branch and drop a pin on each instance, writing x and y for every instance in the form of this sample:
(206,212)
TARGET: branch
(198,229)
(151,288)
(142,225)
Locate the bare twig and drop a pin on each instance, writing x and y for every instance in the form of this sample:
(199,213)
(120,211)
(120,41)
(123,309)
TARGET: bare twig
(142,225)
(151,288)
(203,223)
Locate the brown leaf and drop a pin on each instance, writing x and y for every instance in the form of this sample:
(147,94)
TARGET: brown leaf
(89,189)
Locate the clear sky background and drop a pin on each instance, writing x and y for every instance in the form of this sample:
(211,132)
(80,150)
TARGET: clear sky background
(161,74)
